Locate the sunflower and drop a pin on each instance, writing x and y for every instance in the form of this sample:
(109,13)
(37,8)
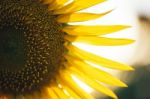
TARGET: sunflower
(37,57)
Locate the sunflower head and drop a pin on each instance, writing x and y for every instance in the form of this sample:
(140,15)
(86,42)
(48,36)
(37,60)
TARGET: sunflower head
(31,46)
(37,57)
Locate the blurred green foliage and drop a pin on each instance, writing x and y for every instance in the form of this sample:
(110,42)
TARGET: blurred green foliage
(138,84)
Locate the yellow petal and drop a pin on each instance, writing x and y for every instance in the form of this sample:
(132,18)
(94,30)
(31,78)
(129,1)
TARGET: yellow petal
(70,91)
(97,59)
(67,79)
(103,41)
(52,94)
(93,30)
(57,4)
(60,93)
(95,73)
(77,5)
(44,95)
(93,83)
(78,17)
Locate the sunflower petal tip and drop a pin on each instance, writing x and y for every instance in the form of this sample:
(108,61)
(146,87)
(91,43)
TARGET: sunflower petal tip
(130,68)
(115,96)
(130,41)
(127,26)
(124,85)
(110,10)
(122,27)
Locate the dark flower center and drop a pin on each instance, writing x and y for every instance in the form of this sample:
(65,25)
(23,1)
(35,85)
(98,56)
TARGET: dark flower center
(31,46)
(12,53)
